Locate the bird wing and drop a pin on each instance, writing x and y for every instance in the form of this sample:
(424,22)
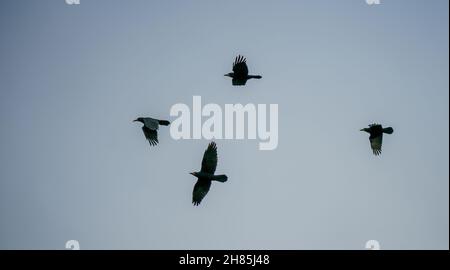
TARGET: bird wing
(375,144)
(151,135)
(240,68)
(209,162)
(201,188)
(151,123)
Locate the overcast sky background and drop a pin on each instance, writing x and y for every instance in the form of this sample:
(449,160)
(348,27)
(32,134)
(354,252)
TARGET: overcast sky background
(73,165)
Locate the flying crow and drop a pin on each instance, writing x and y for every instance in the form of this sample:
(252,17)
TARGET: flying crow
(376,136)
(240,72)
(150,128)
(206,174)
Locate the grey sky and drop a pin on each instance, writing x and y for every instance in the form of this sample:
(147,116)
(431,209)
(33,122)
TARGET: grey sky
(74,166)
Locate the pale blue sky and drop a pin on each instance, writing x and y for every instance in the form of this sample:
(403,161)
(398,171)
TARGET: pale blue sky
(74,166)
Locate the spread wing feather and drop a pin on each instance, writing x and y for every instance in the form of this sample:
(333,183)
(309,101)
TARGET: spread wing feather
(240,68)
(201,188)
(151,135)
(209,162)
(375,144)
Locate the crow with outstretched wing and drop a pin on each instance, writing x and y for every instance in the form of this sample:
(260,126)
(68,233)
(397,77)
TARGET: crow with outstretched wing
(206,175)
(150,128)
(376,136)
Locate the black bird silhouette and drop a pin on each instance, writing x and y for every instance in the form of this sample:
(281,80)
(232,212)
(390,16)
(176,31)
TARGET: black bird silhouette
(240,72)
(376,136)
(206,174)
(150,128)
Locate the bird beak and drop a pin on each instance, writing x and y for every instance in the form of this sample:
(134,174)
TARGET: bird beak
(135,120)
(192,173)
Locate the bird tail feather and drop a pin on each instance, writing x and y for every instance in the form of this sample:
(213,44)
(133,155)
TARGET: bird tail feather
(163,122)
(221,178)
(388,130)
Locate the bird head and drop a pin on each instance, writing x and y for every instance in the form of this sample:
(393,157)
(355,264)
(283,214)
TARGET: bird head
(229,75)
(365,129)
(140,119)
